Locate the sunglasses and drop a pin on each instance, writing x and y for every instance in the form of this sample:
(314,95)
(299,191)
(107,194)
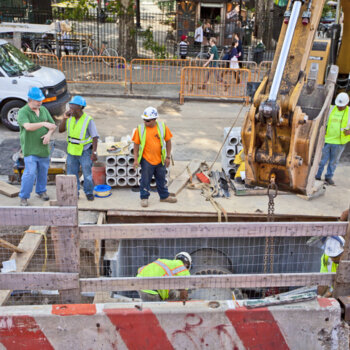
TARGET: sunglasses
(147,121)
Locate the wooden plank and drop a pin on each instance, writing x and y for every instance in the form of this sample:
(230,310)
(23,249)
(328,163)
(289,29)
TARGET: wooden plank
(212,230)
(50,216)
(97,253)
(180,182)
(66,239)
(29,243)
(8,190)
(39,280)
(10,246)
(208,281)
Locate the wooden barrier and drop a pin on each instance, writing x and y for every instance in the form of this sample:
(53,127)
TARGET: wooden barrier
(214,82)
(66,235)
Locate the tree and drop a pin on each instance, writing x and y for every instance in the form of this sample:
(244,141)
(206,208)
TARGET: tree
(264,21)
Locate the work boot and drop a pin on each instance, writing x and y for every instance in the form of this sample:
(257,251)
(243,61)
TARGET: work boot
(43,196)
(330,182)
(144,202)
(23,202)
(169,199)
(318,178)
(90,197)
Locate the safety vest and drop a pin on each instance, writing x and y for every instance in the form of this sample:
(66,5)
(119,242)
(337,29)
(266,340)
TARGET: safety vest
(327,265)
(142,135)
(345,124)
(160,268)
(76,132)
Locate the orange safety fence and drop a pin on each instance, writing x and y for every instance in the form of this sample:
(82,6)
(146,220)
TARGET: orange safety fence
(214,82)
(156,71)
(44,59)
(94,69)
(264,68)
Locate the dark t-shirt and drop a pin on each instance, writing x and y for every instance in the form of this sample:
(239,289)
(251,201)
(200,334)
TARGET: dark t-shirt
(214,51)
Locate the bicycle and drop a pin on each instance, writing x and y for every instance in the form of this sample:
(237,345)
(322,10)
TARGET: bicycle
(89,51)
(43,45)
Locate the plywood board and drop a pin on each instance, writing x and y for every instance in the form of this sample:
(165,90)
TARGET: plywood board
(8,190)
(29,243)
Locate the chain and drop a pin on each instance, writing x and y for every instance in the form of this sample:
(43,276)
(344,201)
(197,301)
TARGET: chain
(272,191)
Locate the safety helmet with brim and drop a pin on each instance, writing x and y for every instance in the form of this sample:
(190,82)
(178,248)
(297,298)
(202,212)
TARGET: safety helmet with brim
(342,99)
(36,94)
(78,100)
(150,113)
(334,246)
(185,258)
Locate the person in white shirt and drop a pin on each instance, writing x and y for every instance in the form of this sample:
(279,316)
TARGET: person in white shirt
(198,36)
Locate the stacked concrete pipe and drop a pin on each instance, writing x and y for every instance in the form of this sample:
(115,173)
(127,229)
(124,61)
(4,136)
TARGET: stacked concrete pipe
(231,148)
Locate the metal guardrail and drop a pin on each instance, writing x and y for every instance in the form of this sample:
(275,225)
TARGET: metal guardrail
(214,82)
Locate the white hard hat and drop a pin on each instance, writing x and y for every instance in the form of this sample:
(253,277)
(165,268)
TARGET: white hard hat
(342,99)
(334,246)
(185,258)
(150,113)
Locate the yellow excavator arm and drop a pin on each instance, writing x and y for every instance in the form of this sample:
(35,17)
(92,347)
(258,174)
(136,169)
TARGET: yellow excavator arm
(283,132)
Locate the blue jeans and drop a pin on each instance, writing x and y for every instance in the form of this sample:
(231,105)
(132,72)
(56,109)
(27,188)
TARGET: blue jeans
(331,154)
(73,166)
(159,172)
(36,168)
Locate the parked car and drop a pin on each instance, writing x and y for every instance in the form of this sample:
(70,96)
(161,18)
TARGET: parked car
(17,75)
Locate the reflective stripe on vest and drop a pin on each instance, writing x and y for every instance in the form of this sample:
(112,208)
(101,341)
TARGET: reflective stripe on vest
(178,269)
(142,134)
(164,267)
(76,132)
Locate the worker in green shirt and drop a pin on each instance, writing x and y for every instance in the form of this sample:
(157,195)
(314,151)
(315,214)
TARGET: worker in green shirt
(337,136)
(36,128)
(180,266)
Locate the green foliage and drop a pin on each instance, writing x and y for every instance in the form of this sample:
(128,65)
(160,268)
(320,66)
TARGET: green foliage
(149,44)
(218,19)
(76,10)
(328,9)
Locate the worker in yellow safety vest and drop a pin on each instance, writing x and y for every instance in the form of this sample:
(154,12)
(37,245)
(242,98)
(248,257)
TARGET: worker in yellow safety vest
(180,266)
(333,250)
(337,136)
(82,139)
(152,150)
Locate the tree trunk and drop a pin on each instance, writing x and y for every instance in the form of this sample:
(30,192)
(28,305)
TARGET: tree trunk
(127,32)
(264,21)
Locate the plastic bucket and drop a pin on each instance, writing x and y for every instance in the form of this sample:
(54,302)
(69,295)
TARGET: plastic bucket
(99,174)
(102,191)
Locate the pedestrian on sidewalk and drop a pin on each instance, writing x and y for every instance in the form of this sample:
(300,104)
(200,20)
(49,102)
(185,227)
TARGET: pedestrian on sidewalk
(36,128)
(183,46)
(198,36)
(152,150)
(337,136)
(180,266)
(82,139)
(211,62)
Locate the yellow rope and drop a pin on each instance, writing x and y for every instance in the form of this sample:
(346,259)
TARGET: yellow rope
(45,241)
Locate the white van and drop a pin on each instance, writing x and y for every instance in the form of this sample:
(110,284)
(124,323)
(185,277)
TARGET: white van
(17,75)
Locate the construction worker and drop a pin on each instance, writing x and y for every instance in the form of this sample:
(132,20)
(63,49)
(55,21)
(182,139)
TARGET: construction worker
(36,127)
(164,267)
(82,139)
(152,150)
(333,250)
(337,136)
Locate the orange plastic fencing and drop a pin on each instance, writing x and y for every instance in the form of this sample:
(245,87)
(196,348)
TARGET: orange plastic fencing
(264,68)
(44,59)
(214,82)
(156,71)
(94,69)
